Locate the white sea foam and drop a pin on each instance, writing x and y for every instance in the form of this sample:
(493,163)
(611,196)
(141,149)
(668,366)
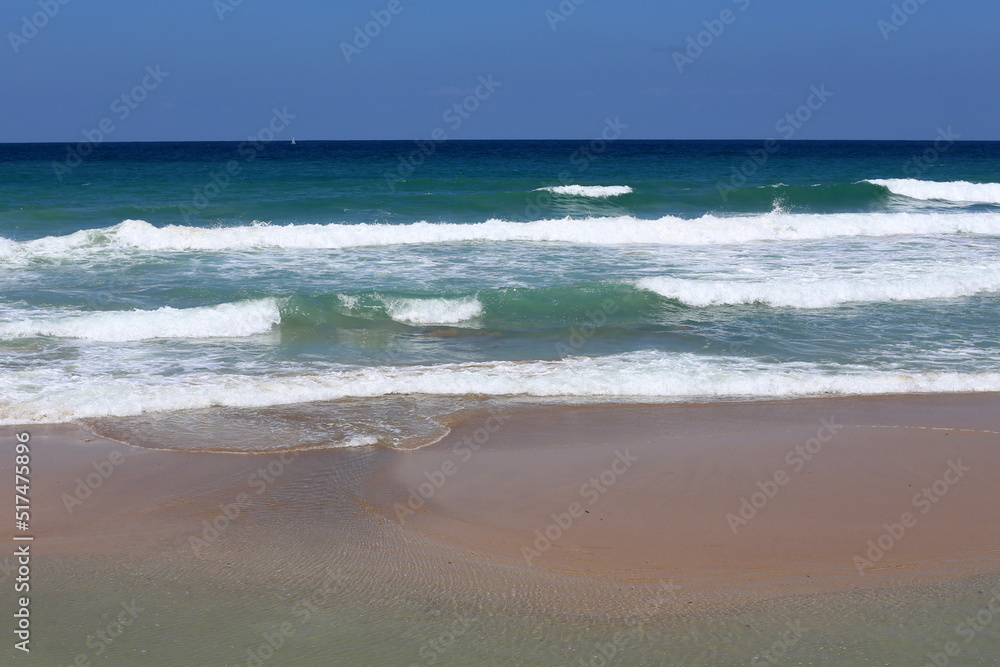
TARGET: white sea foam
(358,441)
(599,191)
(956,191)
(433,311)
(133,235)
(349,300)
(8,249)
(803,292)
(58,396)
(240,319)
(422,311)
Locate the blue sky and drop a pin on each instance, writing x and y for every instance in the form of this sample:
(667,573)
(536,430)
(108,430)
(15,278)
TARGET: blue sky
(562,68)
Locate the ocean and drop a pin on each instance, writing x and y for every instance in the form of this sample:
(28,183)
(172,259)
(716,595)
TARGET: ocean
(352,293)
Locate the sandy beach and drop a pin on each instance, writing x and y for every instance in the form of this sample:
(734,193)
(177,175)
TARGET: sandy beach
(696,531)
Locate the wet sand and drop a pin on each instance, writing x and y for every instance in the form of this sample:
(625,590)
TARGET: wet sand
(361,564)
(782,496)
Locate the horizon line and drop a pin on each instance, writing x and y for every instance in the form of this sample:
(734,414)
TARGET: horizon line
(633,140)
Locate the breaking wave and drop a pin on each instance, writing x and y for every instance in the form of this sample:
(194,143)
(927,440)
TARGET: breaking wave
(955,191)
(639,375)
(227,320)
(599,191)
(138,235)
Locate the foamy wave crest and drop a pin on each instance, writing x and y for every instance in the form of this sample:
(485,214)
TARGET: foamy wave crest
(434,311)
(587,190)
(956,191)
(708,230)
(8,249)
(57,247)
(227,320)
(796,292)
(358,441)
(642,375)
(416,311)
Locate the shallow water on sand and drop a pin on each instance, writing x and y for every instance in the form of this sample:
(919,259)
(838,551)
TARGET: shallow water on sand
(340,610)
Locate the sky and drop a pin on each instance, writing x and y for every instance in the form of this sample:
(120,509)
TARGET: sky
(144,70)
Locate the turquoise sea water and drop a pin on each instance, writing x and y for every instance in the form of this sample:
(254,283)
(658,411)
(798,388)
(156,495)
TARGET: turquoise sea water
(153,279)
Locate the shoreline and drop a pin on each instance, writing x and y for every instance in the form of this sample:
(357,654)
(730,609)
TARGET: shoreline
(467,408)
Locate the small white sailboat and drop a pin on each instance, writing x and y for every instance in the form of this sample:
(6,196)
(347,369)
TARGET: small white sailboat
(293,141)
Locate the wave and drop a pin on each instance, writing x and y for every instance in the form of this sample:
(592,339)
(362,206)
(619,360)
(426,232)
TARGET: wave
(357,441)
(416,311)
(228,320)
(819,198)
(244,318)
(608,303)
(799,292)
(954,191)
(635,376)
(434,311)
(600,191)
(138,235)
